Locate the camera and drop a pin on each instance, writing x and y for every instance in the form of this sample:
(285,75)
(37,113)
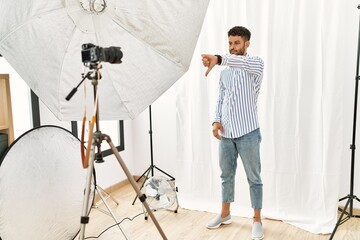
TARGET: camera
(93,54)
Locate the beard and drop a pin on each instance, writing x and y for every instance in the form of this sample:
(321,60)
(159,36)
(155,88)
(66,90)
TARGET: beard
(241,51)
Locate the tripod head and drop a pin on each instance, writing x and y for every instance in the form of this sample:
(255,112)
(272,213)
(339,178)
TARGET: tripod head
(93,74)
(94,70)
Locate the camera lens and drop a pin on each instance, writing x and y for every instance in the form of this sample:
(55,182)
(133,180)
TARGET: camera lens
(112,55)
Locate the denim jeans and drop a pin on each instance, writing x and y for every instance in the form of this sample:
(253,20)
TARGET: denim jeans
(248,147)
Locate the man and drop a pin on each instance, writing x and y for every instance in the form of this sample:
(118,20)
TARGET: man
(236,123)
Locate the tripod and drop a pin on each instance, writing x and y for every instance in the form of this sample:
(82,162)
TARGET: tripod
(152,166)
(351,197)
(96,140)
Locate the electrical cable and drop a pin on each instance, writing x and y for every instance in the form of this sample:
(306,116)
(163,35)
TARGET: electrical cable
(114,225)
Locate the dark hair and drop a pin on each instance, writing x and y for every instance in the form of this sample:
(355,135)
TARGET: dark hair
(240,31)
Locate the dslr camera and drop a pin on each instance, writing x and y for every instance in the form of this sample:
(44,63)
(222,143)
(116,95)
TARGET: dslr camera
(93,54)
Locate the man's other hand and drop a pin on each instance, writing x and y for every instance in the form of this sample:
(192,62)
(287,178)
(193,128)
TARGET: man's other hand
(216,128)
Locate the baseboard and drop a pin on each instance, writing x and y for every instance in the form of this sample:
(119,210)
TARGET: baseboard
(115,187)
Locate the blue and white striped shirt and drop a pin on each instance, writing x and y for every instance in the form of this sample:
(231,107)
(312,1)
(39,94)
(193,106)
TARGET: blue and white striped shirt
(239,87)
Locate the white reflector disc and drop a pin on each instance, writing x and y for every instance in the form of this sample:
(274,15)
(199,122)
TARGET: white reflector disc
(42,186)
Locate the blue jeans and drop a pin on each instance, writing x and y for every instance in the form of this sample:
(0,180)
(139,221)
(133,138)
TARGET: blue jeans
(248,147)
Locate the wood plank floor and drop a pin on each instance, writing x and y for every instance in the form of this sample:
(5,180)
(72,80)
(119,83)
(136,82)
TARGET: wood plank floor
(190,225)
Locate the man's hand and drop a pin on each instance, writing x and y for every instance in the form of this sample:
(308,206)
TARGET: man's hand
(209,61)
(216,128)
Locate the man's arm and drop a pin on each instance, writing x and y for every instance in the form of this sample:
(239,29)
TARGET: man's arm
(254,65)
(217,126)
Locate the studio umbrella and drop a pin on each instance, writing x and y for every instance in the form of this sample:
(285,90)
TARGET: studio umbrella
(42,41)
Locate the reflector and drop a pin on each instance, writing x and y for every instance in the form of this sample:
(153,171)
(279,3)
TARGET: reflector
(42,186)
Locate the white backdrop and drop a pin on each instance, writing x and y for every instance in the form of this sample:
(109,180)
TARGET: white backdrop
(305,108)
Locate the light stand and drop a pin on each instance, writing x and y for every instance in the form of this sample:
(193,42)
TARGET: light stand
(152,166)
(104,196)
(97,138)
(351,197)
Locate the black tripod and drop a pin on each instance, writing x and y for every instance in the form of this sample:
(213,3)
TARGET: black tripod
(351,197)
(152,166)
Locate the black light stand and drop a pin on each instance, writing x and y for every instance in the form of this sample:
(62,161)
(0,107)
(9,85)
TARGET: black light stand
(351,197)
(152,166)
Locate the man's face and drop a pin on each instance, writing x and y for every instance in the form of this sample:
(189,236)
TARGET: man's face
(237,45)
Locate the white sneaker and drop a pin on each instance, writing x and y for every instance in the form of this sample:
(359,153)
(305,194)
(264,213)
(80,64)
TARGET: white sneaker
(257,232)
(218,220)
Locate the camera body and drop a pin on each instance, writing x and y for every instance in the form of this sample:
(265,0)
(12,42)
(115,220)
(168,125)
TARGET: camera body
(93,54)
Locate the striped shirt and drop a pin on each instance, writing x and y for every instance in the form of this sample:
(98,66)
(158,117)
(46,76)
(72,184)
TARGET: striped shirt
(239,86)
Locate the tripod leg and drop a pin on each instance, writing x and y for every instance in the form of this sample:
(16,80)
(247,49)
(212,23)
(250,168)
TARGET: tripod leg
(171,177)
(142,185)
(85,210)
(357,216)
(343,198)
(142,197)
(146,172)
(339,222)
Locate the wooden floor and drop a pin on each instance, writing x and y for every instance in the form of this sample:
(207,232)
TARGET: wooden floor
(190,225)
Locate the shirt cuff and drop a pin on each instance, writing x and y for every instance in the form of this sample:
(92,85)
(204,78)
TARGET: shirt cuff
(216,120)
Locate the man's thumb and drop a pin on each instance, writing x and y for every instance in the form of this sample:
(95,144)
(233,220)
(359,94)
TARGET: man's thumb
(208,70)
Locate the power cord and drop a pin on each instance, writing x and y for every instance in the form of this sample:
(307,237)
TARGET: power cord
(114,225)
